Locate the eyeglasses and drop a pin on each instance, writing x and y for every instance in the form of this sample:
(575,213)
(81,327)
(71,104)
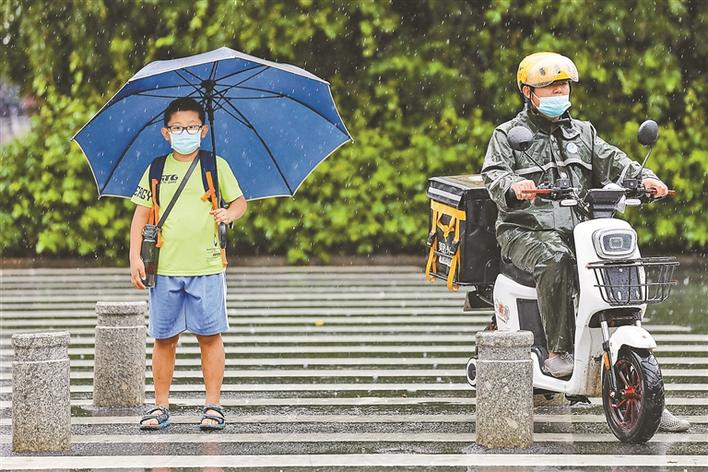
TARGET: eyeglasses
(191,129)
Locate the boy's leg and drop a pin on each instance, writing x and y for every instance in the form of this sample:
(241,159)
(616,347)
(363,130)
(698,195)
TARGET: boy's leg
(207,318)
(213,364)
(163,366)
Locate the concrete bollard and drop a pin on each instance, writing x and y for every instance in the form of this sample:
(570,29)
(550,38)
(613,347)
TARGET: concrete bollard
(119,365)
(504,389)
(41,404)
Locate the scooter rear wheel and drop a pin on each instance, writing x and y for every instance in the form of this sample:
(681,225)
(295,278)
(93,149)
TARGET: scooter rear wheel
(635,414)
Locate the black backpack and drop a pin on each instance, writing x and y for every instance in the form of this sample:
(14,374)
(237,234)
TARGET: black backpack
(207,162)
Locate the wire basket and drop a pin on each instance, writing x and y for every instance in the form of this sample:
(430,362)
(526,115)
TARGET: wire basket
(635,281)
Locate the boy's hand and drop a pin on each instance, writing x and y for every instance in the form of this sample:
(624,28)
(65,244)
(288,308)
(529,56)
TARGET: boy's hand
(222,215)
(137,273)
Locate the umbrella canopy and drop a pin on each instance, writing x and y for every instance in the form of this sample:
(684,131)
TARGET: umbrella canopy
(274,123)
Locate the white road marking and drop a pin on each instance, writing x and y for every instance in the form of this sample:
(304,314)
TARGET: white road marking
(359,418)
(343,460)
(310,437)
(340,373)
(397,338)
(356,361)
(353,349)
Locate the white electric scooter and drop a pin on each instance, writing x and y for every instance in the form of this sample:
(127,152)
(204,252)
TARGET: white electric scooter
(613,352)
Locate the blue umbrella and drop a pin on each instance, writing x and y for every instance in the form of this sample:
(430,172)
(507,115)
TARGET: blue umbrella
(274,123)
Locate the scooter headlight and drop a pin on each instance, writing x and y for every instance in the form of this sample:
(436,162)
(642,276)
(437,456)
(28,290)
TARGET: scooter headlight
(615,243)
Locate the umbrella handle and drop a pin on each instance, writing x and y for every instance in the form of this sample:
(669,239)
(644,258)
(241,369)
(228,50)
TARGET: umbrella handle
(208,101)
(220,226)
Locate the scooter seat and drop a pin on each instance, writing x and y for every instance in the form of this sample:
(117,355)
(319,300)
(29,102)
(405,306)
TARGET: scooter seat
(517,275)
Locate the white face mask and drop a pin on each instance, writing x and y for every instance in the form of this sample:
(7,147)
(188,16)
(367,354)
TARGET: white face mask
(185,143)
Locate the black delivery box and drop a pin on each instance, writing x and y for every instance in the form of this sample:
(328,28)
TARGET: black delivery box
(462,236)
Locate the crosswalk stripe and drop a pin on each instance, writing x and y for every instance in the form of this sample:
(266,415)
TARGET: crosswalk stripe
(345,419)
(351,349)
(407,338)
(315,325)
(335,387)
(241,269)
(260,438)
(313,329)
(351,460)
(328,401)
(400,288)
(311,362)
(338,373)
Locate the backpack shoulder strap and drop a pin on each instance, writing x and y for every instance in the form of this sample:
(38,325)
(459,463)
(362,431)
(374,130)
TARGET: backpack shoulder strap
(208,162)
(157,166)
(210,178)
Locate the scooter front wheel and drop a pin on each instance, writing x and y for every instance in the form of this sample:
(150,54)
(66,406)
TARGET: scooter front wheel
(635,413)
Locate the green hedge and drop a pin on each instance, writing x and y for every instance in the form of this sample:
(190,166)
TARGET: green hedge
(420,85)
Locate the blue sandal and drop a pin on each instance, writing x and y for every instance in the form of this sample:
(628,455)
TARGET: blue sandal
(220,420)
(163,418)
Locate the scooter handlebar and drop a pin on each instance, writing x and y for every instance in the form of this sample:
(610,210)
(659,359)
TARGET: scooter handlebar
(648,194)
(652,191)
(537,191)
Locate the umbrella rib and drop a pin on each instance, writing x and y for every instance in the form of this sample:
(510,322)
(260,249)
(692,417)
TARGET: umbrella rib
(152,121)
(222,95)
(106,107)
(239,72)
(221,107)
(229,87)
(253,98)
(197,89)
(212,74)
(219,102)
(297,101)
(142,94)
(192,74)
(270,153)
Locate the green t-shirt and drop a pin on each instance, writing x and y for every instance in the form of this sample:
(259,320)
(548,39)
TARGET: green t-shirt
(190,235)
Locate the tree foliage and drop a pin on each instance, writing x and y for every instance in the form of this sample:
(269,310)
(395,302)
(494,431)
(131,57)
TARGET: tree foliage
(420,84)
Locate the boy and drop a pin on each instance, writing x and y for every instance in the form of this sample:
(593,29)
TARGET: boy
(190,289)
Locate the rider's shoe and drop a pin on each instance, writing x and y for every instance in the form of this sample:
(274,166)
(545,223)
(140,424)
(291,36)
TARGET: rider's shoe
(671,424)
(560,365)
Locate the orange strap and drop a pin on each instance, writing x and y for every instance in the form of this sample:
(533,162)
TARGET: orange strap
(454,263)
(456,218)
(155,213)
(211,194)
(155,208)
(431,265)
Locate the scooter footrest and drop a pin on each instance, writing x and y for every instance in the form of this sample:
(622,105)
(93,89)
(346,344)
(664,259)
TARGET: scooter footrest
(575,399)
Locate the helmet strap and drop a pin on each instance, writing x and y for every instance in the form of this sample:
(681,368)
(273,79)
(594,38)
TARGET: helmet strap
(527,100)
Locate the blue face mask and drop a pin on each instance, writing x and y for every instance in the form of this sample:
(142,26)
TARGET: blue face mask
(185,143)
(554,106)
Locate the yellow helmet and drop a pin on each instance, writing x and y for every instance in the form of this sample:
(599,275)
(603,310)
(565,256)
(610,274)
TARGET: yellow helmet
(543,68)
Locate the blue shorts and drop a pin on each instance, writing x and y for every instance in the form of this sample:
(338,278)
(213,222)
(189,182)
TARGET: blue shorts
(196,304)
